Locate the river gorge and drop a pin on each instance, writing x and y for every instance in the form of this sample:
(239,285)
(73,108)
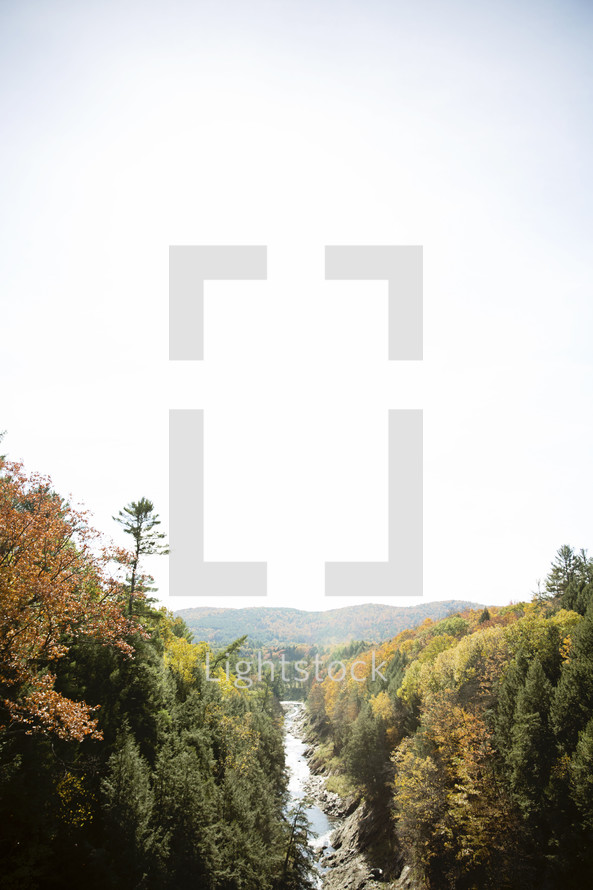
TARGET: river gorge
(303,787)
(339,830)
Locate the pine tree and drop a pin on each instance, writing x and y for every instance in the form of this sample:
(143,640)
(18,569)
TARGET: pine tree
(570,580)
(395,673)
(186,814)
(573,698)
(564,569)
(510,685)
(128,803)
(581,775)
(139,520)
(532,740)
(296,869)
(365,754)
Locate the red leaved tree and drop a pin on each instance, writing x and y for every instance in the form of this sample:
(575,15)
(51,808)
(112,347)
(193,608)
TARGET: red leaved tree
(56,586)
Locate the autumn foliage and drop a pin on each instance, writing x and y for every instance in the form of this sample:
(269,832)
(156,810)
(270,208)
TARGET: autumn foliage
(57,585)
(130,757)
(474,750)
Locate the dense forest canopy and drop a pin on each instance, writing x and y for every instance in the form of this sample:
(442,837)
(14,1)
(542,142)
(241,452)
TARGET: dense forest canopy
(478,744)
(132,756)
(120,765)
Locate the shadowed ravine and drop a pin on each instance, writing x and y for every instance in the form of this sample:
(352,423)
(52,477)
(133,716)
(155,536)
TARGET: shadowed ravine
(299,785)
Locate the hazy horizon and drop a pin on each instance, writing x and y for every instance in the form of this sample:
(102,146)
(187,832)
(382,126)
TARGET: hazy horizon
(423,602)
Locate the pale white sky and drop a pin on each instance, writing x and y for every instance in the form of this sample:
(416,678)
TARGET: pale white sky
(464,127)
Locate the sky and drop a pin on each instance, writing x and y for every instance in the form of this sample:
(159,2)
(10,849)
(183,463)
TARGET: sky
(462,127)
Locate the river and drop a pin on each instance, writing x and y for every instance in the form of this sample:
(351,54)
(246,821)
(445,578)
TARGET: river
(300,782)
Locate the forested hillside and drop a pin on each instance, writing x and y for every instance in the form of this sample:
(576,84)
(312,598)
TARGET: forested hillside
(477,746)
(266,626)
(133,757)
(121,766)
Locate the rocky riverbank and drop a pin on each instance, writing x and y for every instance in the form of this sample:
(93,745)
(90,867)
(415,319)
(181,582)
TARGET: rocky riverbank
(348,860)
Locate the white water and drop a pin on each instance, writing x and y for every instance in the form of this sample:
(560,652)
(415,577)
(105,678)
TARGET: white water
(299,776)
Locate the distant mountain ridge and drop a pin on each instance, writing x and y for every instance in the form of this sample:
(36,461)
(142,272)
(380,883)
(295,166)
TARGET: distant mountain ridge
(268,626)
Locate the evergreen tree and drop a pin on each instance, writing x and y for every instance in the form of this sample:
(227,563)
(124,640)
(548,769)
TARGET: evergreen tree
(573,698)
(581,776)
(186,804)
(565,567)
(139,520)
(570,580)
(128,809)
(365,754)
(532,741)
(395,674)
(510,685)
(296,869)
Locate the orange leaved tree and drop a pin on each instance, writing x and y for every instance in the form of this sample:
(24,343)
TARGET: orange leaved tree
(56,587)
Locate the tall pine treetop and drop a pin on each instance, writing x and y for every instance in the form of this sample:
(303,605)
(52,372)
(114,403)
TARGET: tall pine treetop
(139,520)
